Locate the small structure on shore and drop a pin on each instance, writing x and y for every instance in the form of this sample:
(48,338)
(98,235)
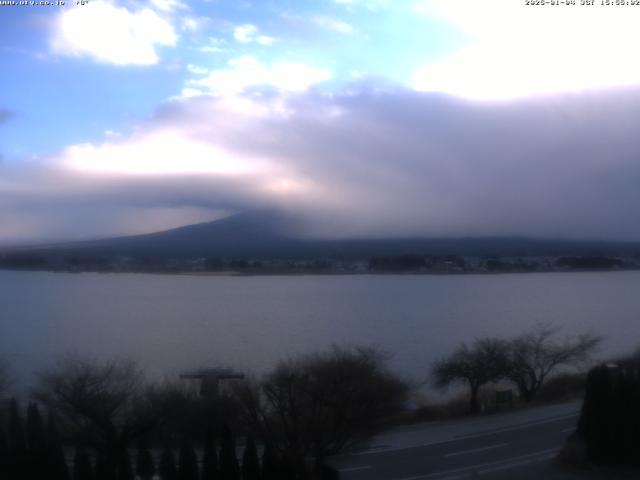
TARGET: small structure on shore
(504,397)
(210,379)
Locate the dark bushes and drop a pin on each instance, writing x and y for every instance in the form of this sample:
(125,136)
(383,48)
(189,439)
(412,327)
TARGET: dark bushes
(610,420)
(314,406)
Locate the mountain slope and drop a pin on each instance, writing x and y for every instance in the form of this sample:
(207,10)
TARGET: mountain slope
(270,234)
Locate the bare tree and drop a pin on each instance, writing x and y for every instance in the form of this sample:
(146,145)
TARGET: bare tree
(484,361)
(105,401)
(184,412)
(536,354)
(318,405)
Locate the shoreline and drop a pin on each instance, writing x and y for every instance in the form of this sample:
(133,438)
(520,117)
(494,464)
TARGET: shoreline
(232,273)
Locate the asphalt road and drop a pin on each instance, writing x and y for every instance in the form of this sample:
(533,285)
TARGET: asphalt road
(479,455)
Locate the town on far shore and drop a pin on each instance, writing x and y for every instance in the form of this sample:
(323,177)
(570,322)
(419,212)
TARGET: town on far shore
(414,264)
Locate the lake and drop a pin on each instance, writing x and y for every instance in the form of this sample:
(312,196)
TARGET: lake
(173,322)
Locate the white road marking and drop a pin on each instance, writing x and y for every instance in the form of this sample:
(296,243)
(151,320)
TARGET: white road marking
(516,464)
(474,450)
(487,433)
(355,469)
(543,454)
(455,477)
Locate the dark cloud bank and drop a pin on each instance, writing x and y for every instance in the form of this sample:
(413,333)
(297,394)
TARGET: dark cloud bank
(378,163)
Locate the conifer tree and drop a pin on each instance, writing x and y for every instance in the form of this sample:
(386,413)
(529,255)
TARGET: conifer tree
(210,458)
(17,462)
(36,443)
(82,468)
(104,468)
(168,470)
(18,444)
(4,455)
(621,418)
(285,470)
(187,462)
(145,467)
(125,472)
(594,426)
(56,463)
(36,436)
(250,463)
(270,466)
(610,419)
(229,468)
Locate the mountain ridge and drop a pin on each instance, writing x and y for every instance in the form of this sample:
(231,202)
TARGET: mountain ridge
(271,234)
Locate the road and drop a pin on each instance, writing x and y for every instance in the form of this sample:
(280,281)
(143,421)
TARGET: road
(473,455)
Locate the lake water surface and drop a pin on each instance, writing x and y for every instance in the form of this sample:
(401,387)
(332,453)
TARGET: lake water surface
(173,322)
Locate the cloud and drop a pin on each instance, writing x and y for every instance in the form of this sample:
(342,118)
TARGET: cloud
(111,34)
(112,134)
(214,45)
(333,24)
(189,92)
(370,162)
(250,34)
(211,49)
(168,5)
(246,72)
(369,4)
(156,153)
(87,207)
(5,115)
(195,69)
(509,57)
(194,24)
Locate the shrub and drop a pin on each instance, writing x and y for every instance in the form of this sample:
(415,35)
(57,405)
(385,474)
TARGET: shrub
(610,418)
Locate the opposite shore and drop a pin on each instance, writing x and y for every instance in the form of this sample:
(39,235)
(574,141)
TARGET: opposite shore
(253,266)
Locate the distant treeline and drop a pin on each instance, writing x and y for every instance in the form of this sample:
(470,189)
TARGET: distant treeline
(409,263)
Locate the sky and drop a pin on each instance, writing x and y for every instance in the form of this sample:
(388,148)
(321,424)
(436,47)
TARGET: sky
(366,117)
